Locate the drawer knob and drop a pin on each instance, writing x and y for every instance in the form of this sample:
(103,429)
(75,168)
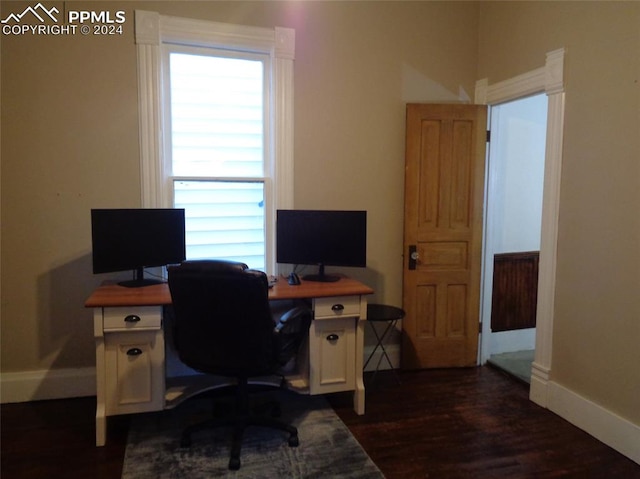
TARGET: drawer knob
(132,318)
(332,337)
(134,352)
(337,308)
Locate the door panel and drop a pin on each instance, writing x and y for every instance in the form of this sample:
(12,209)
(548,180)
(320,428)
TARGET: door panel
(444,188)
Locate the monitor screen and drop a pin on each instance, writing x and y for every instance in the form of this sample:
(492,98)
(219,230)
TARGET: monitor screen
(132,239)
(322,237)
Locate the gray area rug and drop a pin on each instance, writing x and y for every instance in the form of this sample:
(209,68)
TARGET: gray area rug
(327,448)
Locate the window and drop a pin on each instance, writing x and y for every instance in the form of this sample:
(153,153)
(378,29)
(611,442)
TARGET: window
(216,131)
(216,155)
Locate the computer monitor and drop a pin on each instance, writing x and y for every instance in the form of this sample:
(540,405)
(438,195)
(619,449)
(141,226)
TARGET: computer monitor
(133,239)
(321,237)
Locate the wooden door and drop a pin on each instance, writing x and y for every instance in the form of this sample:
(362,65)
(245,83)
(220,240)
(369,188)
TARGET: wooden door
(444,195)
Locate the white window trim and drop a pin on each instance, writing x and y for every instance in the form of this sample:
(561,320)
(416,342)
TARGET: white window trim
(151,31)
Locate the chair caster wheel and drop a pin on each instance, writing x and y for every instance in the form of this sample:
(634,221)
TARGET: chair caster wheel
(234,464)
(293,441)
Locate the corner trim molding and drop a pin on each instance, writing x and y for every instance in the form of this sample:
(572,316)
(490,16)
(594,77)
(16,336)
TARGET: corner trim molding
(147,28)
(554,72)
(47,384)
(285,43)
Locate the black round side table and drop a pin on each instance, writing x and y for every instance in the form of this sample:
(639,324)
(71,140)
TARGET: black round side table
(381,313)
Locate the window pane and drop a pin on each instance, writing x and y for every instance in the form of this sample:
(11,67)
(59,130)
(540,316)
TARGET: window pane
(224,220)
(216,116)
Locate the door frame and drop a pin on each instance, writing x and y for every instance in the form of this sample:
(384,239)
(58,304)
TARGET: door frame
(548,79)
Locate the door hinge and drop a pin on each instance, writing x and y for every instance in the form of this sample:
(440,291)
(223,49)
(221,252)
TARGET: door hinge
(488,136)
(480,327)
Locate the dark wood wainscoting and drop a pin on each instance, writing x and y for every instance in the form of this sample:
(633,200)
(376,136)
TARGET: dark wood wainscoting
(515,291)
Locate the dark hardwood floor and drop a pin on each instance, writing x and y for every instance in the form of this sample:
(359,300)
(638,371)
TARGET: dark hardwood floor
(463,423)
(473,423)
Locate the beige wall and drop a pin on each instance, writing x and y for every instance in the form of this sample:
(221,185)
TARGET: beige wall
(70,142)
(596,334)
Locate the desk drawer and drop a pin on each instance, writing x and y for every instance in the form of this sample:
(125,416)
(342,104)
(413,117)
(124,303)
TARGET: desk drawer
(132,318)
(336,307)
(332,353)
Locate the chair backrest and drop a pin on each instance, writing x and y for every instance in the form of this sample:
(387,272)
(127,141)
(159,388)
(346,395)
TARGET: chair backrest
(223,323)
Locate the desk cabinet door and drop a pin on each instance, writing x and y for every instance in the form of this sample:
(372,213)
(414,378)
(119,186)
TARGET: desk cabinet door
(135,372)
(332,355)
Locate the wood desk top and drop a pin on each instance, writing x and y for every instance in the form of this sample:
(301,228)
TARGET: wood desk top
(314,289)
(110,294)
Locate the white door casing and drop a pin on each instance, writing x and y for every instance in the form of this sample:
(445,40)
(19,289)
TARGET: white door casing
(550,80)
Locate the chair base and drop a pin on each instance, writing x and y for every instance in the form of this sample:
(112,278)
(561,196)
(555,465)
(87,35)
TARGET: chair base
(239,426)
(239,422)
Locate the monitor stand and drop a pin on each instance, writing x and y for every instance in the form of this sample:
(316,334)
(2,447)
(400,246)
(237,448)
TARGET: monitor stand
(321,276)
(139,281)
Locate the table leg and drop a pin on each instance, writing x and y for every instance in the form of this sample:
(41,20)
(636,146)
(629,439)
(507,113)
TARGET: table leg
(101,426)
(101,406)
(358,394)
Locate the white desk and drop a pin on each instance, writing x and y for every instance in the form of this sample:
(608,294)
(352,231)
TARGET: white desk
(131,357)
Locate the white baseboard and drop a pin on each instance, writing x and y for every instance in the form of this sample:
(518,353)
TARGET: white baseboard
(606,426)
(81,382)
(47,384)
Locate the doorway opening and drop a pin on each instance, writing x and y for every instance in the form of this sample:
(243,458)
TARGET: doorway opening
(513,206)
(550,80)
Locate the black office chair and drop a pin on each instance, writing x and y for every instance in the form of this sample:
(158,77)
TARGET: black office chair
(223,326)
